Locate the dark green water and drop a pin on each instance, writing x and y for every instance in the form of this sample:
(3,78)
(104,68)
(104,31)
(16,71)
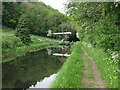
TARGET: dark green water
(26,70)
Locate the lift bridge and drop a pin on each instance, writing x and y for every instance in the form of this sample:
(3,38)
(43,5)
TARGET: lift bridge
(62,54)
(59,33)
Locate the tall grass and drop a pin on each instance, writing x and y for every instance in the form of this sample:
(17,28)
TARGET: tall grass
(107,65)
(71,74)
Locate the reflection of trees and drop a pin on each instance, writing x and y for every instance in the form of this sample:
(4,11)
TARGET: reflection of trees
(62,59)
(59,49)
(28,69)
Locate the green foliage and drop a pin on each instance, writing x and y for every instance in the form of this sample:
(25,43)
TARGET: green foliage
(42,18)
(68,27)
(22,30)
(71,74)
(12,47)
(11,42)
(8,39)
(98,23)
(11,14)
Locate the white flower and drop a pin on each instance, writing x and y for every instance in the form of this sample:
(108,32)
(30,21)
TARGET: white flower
(115,56)
(89,45)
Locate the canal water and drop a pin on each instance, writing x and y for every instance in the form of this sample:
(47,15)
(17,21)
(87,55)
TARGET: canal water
(34,69)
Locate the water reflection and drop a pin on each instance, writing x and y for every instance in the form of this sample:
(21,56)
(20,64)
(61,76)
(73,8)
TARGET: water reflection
(26,70)
(45,83)
(64,51)
(59,54)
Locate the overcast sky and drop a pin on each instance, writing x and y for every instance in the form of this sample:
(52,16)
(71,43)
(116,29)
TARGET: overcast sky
(56,4)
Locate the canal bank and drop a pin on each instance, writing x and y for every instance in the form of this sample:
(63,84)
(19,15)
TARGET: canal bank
(10,54)
(88,67)
(71,73)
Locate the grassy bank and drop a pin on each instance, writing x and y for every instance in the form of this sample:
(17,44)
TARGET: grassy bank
(71,73)
(10,54)
(10,41)
(107,65)
(13,47)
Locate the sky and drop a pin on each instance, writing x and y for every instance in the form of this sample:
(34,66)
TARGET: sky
(56,4)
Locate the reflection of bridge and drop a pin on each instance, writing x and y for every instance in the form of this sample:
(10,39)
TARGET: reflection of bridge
(58,54)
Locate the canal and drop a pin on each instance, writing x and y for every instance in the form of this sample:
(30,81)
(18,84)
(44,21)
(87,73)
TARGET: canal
(34,69)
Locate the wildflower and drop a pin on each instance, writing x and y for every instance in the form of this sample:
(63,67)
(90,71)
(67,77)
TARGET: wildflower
(89,45)
(118,70)
(115,56)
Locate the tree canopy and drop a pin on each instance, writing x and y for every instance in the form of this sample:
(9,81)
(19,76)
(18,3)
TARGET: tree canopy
(98,22)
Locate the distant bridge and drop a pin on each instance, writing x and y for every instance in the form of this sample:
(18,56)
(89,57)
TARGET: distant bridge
(62,33)
(59,33)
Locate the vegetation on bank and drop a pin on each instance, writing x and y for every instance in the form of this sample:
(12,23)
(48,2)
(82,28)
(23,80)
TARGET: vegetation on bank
(13,47)
(71,73)
(97,23)
(10,54)
(107,64)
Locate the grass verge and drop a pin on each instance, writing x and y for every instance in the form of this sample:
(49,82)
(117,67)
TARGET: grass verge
(71,74)
(10,54)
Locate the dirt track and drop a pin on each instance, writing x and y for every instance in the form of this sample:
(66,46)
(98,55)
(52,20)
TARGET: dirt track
(96,82)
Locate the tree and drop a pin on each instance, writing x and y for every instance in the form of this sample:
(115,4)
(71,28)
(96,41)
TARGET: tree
(98,23)
(22,30)
(42,18)
(11,14)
